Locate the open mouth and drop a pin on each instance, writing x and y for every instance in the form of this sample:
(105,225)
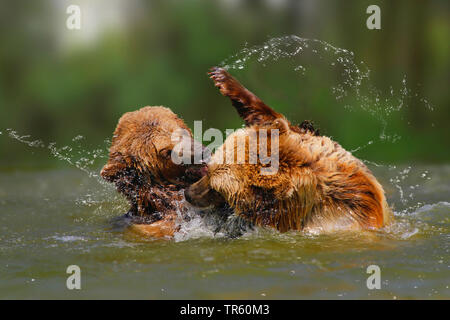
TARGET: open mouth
(195,172)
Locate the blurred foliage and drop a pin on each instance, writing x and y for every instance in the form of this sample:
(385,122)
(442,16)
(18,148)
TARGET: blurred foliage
(56,84)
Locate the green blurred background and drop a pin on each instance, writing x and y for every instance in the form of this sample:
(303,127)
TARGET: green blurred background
(56,84)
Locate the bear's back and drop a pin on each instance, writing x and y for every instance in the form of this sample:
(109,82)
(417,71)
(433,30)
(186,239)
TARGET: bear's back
(349,193)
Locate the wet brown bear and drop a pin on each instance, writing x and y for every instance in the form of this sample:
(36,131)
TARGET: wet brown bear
(318,186)
(140,164)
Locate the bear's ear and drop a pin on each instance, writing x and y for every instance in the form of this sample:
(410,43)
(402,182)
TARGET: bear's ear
(249,106)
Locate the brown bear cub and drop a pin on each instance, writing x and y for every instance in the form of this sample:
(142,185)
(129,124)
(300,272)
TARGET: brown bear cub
(140,165)
(316,185)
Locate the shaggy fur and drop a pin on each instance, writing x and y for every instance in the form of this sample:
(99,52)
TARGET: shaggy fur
(141,167)
(319,186)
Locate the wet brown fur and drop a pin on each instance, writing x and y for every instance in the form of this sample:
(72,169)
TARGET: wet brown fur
(141,167)
(319,186)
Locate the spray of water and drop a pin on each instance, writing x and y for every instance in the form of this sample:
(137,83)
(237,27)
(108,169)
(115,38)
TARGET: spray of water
(355,78)
(75,155)
(86,160)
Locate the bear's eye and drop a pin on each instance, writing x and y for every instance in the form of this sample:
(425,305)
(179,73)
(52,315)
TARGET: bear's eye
(166,153)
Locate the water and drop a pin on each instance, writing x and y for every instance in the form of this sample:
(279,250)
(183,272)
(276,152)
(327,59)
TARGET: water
(51,219)
(48,222)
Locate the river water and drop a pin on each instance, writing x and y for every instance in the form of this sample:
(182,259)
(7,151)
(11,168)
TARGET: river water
(52,219)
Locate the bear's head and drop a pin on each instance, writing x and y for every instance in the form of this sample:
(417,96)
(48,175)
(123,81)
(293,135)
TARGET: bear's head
(141,157)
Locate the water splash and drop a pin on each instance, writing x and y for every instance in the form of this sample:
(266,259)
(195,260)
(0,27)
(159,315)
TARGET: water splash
(354,76)
(76,154)
(25,139)
(193,228)
(408,182)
